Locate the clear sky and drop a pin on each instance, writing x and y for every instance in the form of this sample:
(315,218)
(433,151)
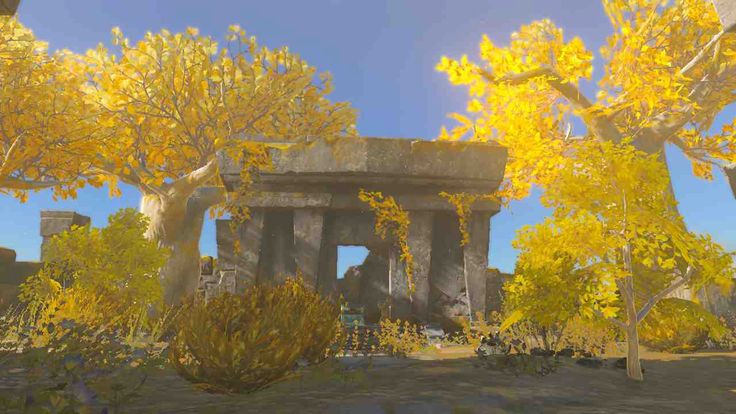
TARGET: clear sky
(382,54)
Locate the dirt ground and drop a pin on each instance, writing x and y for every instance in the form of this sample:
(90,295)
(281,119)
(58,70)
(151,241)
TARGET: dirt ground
(451,382)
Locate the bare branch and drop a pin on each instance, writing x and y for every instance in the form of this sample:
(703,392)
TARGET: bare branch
(23,185)
(601,126)
(663,293)
(701,55)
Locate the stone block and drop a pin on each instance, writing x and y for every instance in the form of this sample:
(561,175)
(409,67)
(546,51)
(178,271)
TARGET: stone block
(7,256)
(55,222)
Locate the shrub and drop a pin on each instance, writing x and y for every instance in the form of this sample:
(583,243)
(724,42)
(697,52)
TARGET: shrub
(241,343)
(400,339)
(679,326)
(588,336)
(116,263)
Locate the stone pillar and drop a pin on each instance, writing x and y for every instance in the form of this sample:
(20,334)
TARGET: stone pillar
(250,234)
(327,277)
(225,245)
(55,222)
(475,257)
(308,230)
(398,286)
(420,246)
(282,245)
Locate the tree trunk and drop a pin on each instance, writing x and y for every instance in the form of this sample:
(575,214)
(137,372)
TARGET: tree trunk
(633,365)
(176,223)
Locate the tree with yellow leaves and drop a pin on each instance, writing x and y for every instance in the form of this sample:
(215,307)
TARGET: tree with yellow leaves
(44,141)
(613,247)
(670,69)
(170,104)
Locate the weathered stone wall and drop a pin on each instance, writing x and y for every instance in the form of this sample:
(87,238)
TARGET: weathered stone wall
(308,205)
(13,273)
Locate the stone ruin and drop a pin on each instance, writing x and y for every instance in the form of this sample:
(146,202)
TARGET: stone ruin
(307,206)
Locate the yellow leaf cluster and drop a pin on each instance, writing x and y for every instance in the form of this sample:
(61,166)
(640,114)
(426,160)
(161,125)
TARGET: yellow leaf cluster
(44,139)
(392,222)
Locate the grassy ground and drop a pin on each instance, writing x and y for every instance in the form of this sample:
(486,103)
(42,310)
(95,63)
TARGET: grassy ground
(451,382)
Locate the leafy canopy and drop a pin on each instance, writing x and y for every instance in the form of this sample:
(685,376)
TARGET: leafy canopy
(668,71)
(613,219)
(43,139)
(170,102)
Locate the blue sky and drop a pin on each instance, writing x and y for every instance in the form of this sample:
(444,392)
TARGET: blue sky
(382,54)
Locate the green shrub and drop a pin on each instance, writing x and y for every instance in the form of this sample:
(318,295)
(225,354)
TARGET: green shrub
(241,343)
(115,263)
(679,326)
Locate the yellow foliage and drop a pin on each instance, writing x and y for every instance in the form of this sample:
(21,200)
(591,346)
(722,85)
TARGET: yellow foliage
(45,140)
(168,103)
(245,342)
(400,339)
(392,221)
(677,325)
(614,242)
(668,71)
(116,263)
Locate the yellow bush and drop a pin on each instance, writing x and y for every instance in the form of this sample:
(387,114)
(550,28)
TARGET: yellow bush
(679,325)
(400,339)
(116,263)
(588,336)
(241,343)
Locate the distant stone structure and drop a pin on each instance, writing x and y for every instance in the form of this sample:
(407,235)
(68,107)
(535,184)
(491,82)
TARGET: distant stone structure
(307,206)
(13,273)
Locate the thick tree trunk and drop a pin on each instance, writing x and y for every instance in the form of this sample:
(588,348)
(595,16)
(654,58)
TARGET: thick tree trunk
(176,223)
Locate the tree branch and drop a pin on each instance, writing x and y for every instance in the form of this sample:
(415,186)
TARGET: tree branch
(23,185)
(206,197)
(701,55)
(663,293)
(186,185)
(601,126)
(616,321)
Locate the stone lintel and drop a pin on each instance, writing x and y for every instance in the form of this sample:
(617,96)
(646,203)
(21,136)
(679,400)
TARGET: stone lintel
(350,201)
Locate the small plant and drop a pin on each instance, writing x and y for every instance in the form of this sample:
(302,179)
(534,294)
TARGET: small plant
(680,326)
(242,343)
(400,339)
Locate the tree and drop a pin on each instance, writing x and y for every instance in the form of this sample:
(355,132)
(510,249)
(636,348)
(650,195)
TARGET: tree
(44,141)
(169,104)
(669,71)
(613,246)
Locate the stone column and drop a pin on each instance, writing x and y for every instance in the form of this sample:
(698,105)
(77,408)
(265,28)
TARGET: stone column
(421,228)
(398,286)
(327,277)
(250,235)
(308,230)
(225,245)
(475,257)
(55,222)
